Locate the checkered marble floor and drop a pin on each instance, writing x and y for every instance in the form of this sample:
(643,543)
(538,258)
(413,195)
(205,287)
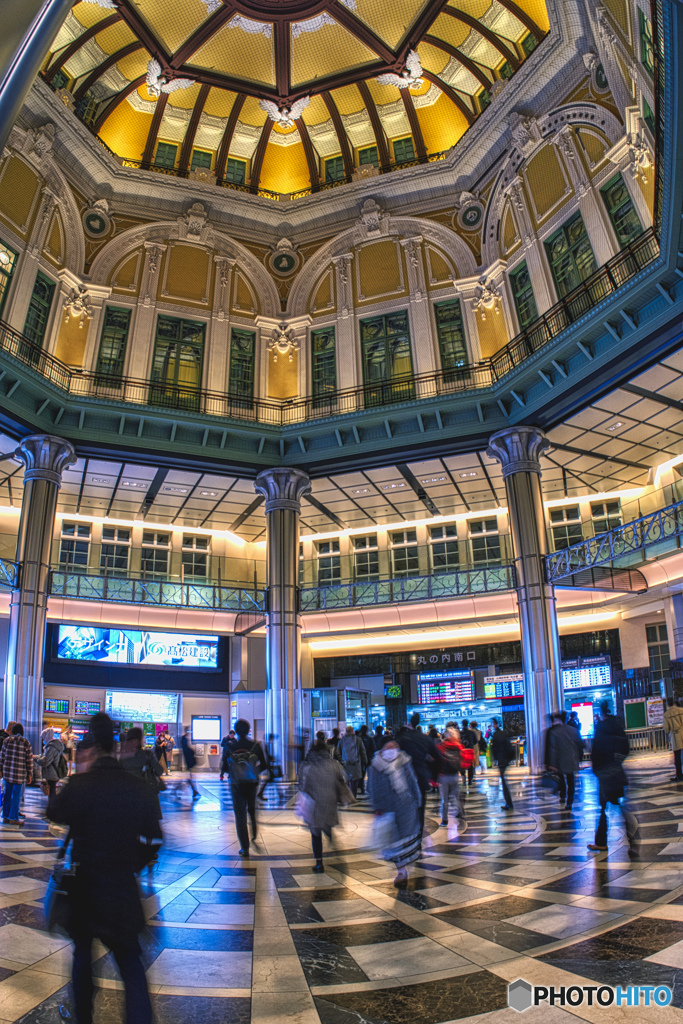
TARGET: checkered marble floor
(505,895)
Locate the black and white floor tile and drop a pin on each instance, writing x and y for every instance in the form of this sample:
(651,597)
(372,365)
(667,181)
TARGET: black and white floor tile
(499,896)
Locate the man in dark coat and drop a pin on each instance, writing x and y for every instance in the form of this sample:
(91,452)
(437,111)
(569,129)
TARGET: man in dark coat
(420,750)
(502,753)
(245,764)
(113,823)
(610,747)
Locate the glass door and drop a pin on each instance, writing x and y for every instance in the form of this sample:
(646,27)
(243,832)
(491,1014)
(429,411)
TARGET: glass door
(177,364)
(387,359)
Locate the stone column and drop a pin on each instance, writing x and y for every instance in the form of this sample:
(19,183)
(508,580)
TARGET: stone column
(349,373)
(45,458)
(29,28)
(518,449)
(283,489)
(536,261)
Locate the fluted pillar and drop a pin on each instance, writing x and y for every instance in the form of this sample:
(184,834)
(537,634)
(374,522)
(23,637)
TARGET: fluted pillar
(45,458)
(518,449)
(283,489)
(29,28)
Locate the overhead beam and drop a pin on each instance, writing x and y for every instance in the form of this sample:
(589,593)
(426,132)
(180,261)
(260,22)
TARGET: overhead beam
(633,389)
(325,511)
(203,34)
(102,68)
(468,114)
(466,62)
(344,144)
(597,455)
(525,18)
(65,56)
(152,134)
(311,156)
(418,489)
(257,161)
(139,27)
(361,31)
(243,516)
(417,31)
(282,58)
(224,148)
(377,127)
(115,100)
(415,126)
(190,134)
(483,30)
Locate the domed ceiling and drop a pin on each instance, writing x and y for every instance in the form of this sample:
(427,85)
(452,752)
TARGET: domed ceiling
(285,95)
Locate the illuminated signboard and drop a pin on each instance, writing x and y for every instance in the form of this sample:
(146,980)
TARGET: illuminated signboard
(86,707)
(133,706)
(497,687)
(56,707)
(133,647)
(393,690)
(586,673)
(206,728)
(445,687)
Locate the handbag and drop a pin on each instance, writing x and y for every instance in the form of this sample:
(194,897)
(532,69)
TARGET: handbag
(60,892)
(383,831)
(551,780)
(304,806)
(44,787)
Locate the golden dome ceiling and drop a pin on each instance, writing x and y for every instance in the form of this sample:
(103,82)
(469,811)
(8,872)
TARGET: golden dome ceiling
(287,94)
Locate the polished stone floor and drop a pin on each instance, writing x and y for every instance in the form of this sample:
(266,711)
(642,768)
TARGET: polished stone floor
(508,895)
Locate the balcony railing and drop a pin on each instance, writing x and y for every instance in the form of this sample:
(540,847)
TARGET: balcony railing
(227,597)
(9,573)
(460,583)
(617,545)
(380,394)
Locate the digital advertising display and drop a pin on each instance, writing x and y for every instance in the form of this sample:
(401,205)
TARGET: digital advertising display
(56,707)
(498,687)
(445,688)
(133,647)
(393,690)
(86,707)
(133,706)
(206,728)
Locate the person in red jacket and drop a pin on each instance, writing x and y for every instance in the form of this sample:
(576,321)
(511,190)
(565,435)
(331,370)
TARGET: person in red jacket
(452,758)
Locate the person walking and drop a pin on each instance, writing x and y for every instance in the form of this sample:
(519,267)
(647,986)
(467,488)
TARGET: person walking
(393,790)
(323,782)
(369,745)
(480,748)
(353,758)
(563,755)
(190,759)
(448,755)
(225,752)
(421,752)
(245,764)
(379,739)
(268,749)
(51,761)
(468,739)
(16,765)
(609,750)
(169,744)
(68,739)
(333,743)
(673,723)
(502,753)
(142,763)
(160,752)
(115,832)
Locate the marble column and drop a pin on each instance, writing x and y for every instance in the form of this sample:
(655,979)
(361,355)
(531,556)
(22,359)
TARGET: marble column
(45,458)
(29,28)
(349,373)
(518,449)
(283,489)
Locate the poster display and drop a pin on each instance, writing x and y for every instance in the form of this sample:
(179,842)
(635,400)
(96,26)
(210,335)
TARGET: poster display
(655,712)
(445,688)
(137,647)
(133,706)
(206,728)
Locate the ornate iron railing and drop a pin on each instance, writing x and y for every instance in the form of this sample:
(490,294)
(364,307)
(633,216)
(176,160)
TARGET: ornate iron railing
(460,583)
(9,573)
(654,528)
(227,597)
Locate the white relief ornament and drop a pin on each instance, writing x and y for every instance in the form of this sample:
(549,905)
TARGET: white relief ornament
(283,342)
(371,216)
(42,140)
(469,210)
(487,298)
(212,6)
(284,260)
(107,5)
(320,20)
(641,158)
(607,33)
(410,77)
(153,254)
(283,115)
(77,305)
(343,265)
(525,130)
(254,28)
(156,83)
(195,219)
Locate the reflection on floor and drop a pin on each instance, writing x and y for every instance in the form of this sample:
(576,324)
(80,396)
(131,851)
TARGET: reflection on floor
(507,895)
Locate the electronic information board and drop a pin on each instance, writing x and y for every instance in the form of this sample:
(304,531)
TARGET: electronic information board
(445,688)
(497,687)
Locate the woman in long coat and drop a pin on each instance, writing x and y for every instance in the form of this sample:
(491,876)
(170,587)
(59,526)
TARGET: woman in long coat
(323,783)
(394,790)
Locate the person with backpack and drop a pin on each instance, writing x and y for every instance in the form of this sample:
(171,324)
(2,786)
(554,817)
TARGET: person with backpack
(449,754)
(369,752)
(502,753)
(53,762)
(141,762)
(480,748)
(353,758)
(421,752)
(16,763)
(468,740)
(245,764)
(190,759)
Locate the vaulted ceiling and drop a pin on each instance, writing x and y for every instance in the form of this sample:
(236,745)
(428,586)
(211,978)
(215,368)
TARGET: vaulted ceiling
(231,54)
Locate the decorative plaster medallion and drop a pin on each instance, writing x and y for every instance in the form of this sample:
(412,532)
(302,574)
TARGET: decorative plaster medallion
(96,220)
(469,211)
(284,260)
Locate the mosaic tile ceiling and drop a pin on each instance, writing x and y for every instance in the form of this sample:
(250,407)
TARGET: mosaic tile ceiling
(298,82)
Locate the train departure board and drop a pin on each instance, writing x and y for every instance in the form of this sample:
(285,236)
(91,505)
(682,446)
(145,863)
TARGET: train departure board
(584,673)
(497,687)
(445,688)
(86,707)
(56,707)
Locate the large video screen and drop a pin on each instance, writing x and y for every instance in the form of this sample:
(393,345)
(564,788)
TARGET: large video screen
(133,706)
(441,688)
(133,647)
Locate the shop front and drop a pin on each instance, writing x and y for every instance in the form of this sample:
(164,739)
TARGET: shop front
(587,681)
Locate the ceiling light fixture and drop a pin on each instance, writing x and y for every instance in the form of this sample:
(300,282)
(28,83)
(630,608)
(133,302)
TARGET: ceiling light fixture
(615,426)
(435,480)
(135,483)
(463,476)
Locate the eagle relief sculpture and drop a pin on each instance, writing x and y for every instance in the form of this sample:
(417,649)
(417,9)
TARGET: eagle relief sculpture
(283,115)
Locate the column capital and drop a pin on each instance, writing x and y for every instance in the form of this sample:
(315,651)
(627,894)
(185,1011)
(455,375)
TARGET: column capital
(45,457)
(283,487)
(518,449)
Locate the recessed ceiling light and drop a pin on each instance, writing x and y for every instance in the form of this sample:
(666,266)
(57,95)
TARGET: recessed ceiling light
(616,425)
(100,480)
(434,480)
(362,490)
(135,483)
(209,494)
(464,475)
(392,487)
(174,490)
